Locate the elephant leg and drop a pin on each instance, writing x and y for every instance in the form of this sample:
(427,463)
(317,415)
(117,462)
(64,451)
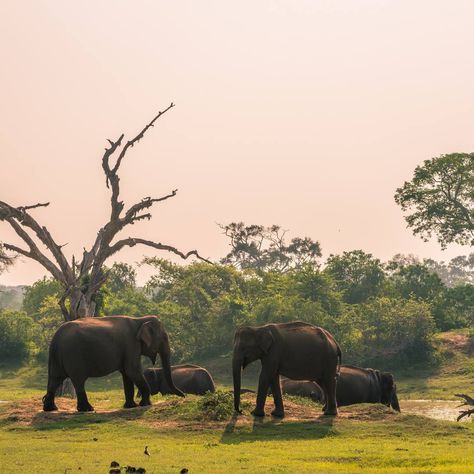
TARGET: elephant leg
(48,399)
(263,384)
(82,401)
(330,407)
(138,379)
(129,390)
(277,398)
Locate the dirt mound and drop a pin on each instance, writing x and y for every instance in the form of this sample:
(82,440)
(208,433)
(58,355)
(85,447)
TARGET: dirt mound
(177,413)
(459,342)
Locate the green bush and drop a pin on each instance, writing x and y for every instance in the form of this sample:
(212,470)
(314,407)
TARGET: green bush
(16,335)
(217,406)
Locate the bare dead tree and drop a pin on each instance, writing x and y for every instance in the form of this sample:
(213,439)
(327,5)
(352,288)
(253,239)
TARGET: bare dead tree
(81,280)
(468,401)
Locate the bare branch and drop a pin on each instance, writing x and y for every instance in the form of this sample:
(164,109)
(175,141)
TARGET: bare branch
(132,142)
(34,206)
(34,251)
(131,242)
(19,218)
(145,203)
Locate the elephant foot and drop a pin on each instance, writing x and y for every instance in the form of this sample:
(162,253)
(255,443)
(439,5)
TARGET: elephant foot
(48,404)
(330,412)
(131,404)
(51,406)
(259,413)
(84,408)
(145,403)
(278,413)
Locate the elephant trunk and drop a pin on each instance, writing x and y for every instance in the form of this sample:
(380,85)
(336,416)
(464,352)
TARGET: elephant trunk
(165,363)
(237,377)
(395,405)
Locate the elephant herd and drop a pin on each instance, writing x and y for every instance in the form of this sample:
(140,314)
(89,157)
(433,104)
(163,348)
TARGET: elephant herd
(297,358)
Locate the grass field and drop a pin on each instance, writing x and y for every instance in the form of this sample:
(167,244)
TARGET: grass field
(178,433)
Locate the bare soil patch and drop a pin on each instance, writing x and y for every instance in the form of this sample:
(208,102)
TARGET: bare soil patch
(459,343)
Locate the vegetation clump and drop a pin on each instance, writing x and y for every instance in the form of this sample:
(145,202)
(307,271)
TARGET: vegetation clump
(217,406)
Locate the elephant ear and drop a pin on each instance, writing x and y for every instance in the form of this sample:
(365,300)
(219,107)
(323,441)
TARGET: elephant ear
(266,341)
(145,333)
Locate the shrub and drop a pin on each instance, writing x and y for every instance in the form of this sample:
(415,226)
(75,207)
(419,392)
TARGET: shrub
(16,334)
(218,405)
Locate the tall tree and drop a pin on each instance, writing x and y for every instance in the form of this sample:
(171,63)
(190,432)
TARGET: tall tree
(266,248)
(358,275)
(82,280)
(440,199)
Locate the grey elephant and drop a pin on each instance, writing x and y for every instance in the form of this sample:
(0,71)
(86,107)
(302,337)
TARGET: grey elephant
(94,347)
(188,378)
(358,385)
(354,385)
(302,388)
(296,350)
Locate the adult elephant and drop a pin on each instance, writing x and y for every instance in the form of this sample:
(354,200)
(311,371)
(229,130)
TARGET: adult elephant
(94,347)
(359,385)
(302,388)
(188,378)
(354,385)
(296,350)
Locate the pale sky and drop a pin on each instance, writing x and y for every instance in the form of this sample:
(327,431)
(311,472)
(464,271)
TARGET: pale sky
(303,113)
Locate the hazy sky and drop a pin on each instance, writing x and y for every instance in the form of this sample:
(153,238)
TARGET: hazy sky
(304,113)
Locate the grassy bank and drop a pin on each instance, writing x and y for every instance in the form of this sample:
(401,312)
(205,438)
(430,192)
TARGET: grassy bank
(362,439)
(180,433)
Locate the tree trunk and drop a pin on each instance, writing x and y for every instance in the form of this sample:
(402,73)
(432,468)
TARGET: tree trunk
(80,306)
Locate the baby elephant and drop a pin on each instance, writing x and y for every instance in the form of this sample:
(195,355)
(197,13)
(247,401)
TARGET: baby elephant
(188,378)
(302,388)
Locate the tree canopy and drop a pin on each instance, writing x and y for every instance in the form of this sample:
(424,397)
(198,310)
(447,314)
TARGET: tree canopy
(266,248)
(439,199)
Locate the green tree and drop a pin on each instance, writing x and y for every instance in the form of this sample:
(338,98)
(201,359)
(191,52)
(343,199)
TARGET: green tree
(440,199)
(16,334)
(417,281)
(265,248)
(120,277)
(358,275)
(454,308)
(38,292)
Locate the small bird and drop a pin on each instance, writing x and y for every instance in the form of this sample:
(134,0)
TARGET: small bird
(146,451)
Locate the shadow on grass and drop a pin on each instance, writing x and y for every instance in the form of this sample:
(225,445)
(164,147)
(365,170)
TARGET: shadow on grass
(50,421)
(263,429)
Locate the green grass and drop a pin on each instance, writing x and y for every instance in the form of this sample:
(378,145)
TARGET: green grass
(184,433)
(371,440)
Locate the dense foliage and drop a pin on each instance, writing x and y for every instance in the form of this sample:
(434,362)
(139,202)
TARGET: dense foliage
(439,199)
(381,314)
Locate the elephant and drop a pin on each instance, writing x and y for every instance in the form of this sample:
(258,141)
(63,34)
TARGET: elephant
(354,385)
(302,388)
(358,385)
(94,347)
(296,350)
(188,378)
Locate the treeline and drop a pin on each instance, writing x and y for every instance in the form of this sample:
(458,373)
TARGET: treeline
(382,314)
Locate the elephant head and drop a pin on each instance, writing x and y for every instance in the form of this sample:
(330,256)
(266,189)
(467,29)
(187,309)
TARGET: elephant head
(154,340)
(250,344)
(388,391)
